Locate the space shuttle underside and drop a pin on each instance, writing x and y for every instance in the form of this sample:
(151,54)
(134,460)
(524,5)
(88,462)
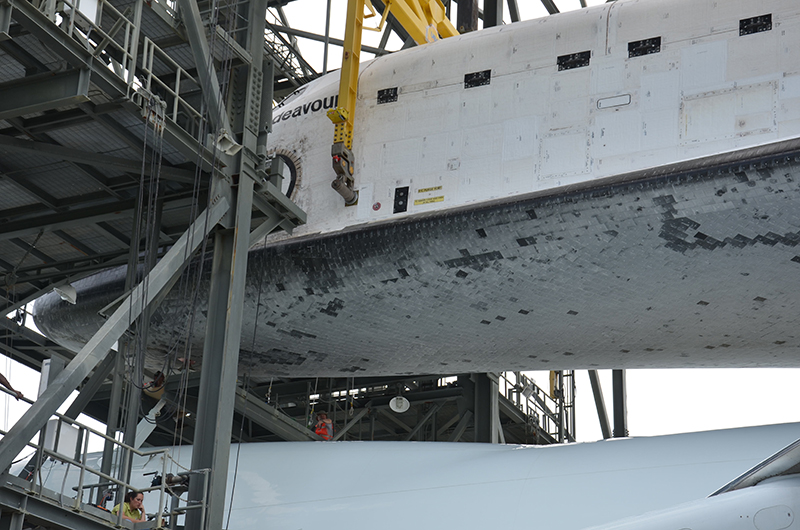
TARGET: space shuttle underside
(618,188)
(689,269)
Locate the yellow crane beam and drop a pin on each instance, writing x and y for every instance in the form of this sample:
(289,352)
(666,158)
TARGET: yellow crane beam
(425,21)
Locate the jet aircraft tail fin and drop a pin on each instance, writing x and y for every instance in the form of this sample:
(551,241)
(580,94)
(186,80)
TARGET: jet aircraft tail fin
(784,462)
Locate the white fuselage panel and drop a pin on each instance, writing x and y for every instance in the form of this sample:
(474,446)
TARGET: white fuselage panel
(532,128)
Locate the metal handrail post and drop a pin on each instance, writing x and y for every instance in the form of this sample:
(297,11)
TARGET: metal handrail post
(205,499)
(160,516)
(177,99)
(79,496)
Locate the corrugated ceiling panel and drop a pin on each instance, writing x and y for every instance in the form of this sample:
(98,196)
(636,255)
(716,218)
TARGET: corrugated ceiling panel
(137,127)
(24,161)
(154,26)
(111,242)
(123,226)
(15,256)
(12,197)
(63,180)
(10,69)
(91,238)
(55,247)
(178,218)
(33,46)
(182,55)
(91,137)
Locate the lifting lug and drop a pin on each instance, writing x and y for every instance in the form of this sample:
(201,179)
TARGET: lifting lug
(342,159)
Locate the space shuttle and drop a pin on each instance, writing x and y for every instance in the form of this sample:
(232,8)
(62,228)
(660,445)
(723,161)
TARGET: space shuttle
(613,187)
(706,481)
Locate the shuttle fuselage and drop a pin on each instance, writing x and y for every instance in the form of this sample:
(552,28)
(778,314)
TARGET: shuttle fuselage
(611,187)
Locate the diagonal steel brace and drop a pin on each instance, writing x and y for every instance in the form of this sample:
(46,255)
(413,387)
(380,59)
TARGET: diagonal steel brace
(100,344)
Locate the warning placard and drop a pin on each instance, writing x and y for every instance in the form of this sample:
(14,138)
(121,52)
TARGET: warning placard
(429,200)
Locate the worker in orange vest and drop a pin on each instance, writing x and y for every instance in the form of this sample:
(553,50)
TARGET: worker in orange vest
(324,426)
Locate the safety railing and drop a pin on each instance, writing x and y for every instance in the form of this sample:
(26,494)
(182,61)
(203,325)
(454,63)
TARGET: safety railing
(65,469)
(84,20)
(178,109)
(550,414)
(113,37)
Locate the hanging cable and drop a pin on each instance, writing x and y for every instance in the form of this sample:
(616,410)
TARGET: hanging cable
(313,405)
(196,271)
(11,277)
(269,390)
(350,397)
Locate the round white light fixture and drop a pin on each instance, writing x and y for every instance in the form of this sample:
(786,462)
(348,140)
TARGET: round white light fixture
(67,293)
(399,404)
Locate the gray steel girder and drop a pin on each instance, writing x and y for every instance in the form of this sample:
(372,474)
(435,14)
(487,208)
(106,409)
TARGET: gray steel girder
(602,413)
(99,345)
(221,359)
(76,54)
(271,418)
(95,159)
(321,38)
(44,92)
(82,217)
(205,67)
(39,510)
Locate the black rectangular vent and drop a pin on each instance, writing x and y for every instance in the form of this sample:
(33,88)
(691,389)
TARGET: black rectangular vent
(477,79)
(644,47)
(401,199)
(748,26)
(574,60)
(387,95)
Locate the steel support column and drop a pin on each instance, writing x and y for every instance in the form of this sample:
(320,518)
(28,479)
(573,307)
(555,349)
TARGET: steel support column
(602,413)
(225,302)
(487,394)
(620,404)
(220,361)
(135,350)
(11,520)
(112,418)
(118,384)
(467,16)
(550,6)
(513,10)
(463,423)
(5,22)
(92,385)
(44,92)
(492,13)
(99,345)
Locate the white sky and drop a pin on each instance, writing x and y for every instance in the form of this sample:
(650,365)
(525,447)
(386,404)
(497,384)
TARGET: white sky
(309,15)
(675,401)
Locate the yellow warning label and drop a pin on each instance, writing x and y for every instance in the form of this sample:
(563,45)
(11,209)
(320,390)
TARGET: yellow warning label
(429,200)
(423,190)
